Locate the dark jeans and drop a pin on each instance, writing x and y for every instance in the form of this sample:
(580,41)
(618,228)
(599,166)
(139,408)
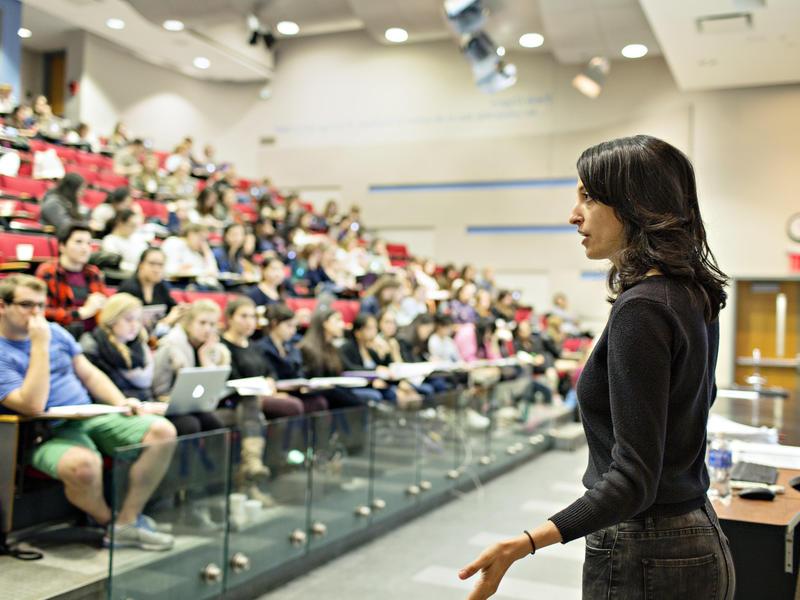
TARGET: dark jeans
(684,557)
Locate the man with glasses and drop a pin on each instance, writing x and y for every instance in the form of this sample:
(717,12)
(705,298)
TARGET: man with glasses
(41,367)
(75,289)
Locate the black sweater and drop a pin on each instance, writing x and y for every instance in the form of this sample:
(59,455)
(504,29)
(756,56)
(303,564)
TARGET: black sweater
(644,394)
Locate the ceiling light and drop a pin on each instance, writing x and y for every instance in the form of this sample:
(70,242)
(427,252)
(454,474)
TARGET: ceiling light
(590,81)
(501,51)
(201,62)
(396,35)
(173,25)
(115,24)
(288,28)
(465,16)
(24,32)
(634,51)
(531,40)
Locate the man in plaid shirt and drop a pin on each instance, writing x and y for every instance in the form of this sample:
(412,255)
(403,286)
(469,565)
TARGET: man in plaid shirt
(75,289)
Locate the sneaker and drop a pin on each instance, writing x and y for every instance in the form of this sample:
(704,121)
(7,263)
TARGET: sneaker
(151,524)
(476,421)
(137,535)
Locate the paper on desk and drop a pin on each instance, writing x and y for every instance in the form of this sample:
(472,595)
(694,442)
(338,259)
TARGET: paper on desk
(738,431)
(771,455)
(83,410)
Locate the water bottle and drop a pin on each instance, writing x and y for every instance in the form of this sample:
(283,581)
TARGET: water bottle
(719,468)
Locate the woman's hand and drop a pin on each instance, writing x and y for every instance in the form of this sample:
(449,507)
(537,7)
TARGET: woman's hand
(493,564)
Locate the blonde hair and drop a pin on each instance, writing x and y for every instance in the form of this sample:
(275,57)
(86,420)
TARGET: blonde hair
(199,307)
(113,310)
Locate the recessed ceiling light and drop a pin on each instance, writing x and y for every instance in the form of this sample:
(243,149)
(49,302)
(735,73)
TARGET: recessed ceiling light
(115,24)
(396,35)
(634,51)
(172,25)
(24,32)
(288,28)
(501,51)
(531,40)
(201,62)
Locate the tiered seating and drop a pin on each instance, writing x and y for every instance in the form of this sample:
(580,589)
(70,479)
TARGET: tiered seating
(44,246)
(23,188)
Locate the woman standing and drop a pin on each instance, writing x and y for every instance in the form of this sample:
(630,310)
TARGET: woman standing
(644,398)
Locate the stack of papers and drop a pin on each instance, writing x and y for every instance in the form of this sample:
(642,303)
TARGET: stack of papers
(81,411)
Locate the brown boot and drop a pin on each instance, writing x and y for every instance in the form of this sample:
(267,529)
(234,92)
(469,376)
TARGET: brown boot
(254,493)
(252,466)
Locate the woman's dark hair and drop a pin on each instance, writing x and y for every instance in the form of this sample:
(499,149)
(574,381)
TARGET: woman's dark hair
(147,252)
(360,322)
(442,320)
(239,251)
(204,205)
(68,188)
(117,196)
(277,314)
(235,304)
(121,217)
(651,187)
(410,333)
(484,326)
(319,355)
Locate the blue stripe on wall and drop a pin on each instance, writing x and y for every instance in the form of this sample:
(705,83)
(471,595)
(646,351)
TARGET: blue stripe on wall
(474,185)
(593,275)
(518,229)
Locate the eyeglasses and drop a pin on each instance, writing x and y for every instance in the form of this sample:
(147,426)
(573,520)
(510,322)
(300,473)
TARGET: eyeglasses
(29,305)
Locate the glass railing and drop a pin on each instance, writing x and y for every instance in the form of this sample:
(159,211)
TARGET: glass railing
(329,477)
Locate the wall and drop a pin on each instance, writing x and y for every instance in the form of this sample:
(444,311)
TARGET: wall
(348,114)
(10,46)
(31,75)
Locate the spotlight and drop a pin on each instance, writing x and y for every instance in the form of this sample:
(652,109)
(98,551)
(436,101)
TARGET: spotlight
(590,81)
(465,16)
(481,52)
(258,30)
(503,77)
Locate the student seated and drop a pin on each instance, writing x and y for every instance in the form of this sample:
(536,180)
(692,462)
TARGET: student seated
(273,287)
(441,346)
(116,201)
(193,342)
(42,366)
(321,358)
(190,256)
(118,347)
(75,289)
(125,238)
(60,203)
(413,339)
(384,293)
(148,285)
(231,256)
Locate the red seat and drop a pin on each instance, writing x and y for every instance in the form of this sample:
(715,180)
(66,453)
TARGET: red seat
(89,175)
(247,211)
(92,198)
(20,209)
(397,250)
(67,155)
(110,180)
(96,161)
(23,188)
(221,298)
(244,185)
(39,145)
(162,158)
(44,246)
(296,304)
(348,308)
(523,314)
(154,210)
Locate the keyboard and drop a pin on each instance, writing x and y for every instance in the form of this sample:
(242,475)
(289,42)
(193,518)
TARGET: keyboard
(754,473)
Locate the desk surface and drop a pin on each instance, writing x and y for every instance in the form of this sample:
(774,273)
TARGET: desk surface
(777,512)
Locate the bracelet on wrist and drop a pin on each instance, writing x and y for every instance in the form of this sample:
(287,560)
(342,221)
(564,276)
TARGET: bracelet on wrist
(530,537)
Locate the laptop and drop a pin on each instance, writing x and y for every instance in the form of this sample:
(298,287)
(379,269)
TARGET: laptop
(197,389)
(152,314)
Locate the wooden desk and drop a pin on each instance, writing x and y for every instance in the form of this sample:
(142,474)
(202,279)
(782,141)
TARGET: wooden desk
(9,442)
(763,544)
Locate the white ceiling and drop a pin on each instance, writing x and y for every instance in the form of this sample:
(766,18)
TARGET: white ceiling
(574,32)
(767,52)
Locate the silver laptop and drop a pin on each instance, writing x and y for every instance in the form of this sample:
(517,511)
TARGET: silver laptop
(198,389)
(152,314)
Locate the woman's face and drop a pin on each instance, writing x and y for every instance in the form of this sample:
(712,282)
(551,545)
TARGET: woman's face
(243,322)
(388,325)
(333,326)
(229,197)
(602,231)
(367,333)
(127,327)
(274,273)
(234,237)
(201,327)
(467,293)
(483,299)
(524,329)
(151,269)
(285,330)
(424,331)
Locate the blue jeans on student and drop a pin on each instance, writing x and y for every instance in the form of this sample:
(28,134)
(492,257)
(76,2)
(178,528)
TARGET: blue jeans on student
(684,557)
